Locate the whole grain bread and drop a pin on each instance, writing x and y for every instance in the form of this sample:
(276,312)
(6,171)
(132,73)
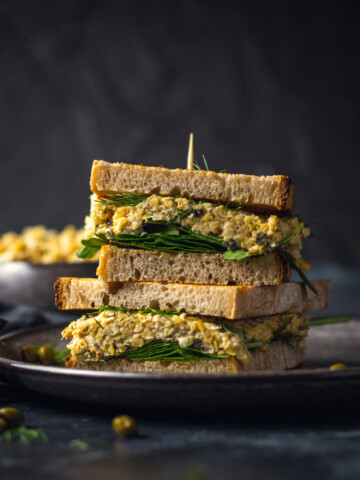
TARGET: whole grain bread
(232,302)
(268,194)
(130,265)
(280,356)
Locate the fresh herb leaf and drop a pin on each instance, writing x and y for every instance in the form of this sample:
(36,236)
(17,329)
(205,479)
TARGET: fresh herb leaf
(205,162)
(92,246)
(301,273)
(328,320)
(60,356)
(106,307)
(284,336)
(122,199)
(86,443)
(96,241)
(158,227)
(233,206)
(291,261)
(160,236)
(23,435)
(162,350)
(80,444)
(179,214)
(99,324)
(197,166)
(87,252)
(304,278)
(229,329)
(278,334)
(237,255)
(287,239)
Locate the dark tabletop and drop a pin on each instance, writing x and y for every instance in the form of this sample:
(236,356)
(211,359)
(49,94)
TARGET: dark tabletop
(194,445)
(191,445)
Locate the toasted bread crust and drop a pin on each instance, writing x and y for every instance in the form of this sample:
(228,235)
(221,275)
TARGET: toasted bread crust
(267,194)
(232,302)
(280,356)
(128,265)
(59,294)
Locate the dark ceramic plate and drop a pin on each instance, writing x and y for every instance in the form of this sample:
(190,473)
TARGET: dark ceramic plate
(33,284)
(312,385)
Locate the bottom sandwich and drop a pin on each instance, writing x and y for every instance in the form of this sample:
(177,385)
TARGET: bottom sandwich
(149,340)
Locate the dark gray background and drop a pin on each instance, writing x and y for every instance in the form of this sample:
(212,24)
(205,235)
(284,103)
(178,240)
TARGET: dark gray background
(266,86)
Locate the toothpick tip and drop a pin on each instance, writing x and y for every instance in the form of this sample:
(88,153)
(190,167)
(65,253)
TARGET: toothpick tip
(190,158)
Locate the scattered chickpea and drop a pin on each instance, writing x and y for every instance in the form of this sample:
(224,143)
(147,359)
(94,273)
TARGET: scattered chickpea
(46,355)
(125,425)
(12,417)
(338,366)
(29,354)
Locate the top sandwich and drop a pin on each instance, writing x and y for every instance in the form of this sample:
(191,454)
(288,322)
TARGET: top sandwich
(267,194)
(192,211)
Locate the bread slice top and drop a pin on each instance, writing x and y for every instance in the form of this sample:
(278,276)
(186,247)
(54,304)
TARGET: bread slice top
(279,356)
(127,265)
(231,302)
(267,194)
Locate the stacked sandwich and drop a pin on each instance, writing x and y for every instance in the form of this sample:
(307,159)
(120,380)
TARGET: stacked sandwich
(193,276)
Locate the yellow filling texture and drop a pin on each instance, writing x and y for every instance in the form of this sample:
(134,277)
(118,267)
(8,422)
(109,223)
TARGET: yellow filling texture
(40,245)
(256,234)
(110,334)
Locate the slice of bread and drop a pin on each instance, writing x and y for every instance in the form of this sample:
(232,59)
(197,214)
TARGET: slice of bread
(280,356)
(232,302)
(271,194)
(125,265)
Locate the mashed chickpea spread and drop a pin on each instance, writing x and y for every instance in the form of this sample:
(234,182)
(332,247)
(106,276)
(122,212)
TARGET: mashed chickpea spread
(110,334)
(256,234)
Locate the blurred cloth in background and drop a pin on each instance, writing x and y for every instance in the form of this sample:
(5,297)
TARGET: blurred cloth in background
(267,87)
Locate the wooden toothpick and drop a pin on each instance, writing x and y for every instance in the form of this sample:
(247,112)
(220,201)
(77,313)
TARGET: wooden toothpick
(190,158)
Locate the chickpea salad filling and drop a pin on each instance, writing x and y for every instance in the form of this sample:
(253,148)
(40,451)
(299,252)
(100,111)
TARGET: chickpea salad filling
(181,224)
(147,335)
